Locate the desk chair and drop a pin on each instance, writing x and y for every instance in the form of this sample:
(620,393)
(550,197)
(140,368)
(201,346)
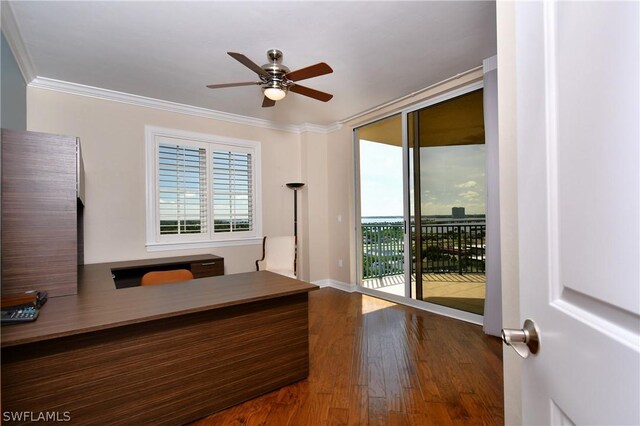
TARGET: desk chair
(166,277)
(278,255)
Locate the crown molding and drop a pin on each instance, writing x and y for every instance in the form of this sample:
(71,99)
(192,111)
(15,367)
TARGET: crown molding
(490,64)
(16,44)
(316,128)
(127,98)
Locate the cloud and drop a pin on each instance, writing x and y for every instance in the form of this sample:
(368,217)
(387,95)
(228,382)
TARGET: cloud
(468,184)
(469,195)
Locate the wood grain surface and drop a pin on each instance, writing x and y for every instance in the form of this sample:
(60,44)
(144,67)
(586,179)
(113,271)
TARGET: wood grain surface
(374,362)
(207,268)
(103,309)
(165,371)
(39,222)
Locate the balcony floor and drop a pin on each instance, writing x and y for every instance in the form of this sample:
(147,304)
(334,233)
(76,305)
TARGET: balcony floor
(464,292)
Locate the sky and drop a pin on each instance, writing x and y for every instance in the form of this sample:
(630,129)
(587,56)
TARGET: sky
(452,176)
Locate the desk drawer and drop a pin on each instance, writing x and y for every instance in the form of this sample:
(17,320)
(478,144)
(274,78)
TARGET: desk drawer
(207,268)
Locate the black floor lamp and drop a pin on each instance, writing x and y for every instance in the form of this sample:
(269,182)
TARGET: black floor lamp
(295,186)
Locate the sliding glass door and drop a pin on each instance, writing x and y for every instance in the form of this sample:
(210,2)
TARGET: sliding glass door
(420,177)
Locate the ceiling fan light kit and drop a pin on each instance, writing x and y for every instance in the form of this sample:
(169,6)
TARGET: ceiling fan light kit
(276,79)
(275,93)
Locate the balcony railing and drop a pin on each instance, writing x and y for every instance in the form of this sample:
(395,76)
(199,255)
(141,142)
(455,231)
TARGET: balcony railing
(446,248)
(382,250)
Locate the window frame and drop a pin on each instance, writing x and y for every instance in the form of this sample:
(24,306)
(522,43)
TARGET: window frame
(154,136)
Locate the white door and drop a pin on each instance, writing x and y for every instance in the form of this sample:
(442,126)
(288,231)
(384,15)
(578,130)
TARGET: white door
(578,209)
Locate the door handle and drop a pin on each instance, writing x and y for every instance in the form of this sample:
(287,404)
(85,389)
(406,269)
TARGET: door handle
(524,341)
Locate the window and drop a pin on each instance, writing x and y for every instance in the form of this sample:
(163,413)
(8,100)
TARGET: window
(232,177)
(182,189)
(202,190)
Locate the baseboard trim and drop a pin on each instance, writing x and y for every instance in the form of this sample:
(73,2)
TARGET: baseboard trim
(418,304)
(336,284)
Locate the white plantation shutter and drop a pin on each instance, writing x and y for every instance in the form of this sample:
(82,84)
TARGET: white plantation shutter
(202,190)
(233,209)
(182,189)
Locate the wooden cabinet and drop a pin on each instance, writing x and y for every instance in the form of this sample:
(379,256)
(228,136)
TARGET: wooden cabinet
(39,212)
(128,274)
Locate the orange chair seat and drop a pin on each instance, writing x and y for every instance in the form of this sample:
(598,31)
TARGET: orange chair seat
(166,277)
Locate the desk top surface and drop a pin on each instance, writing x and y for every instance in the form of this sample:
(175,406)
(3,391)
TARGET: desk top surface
(99,305)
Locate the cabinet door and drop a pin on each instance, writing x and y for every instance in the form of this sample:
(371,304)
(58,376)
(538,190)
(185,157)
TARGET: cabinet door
(207,268)
(39,218)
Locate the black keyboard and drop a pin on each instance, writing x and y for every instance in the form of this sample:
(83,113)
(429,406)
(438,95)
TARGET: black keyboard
(14,316)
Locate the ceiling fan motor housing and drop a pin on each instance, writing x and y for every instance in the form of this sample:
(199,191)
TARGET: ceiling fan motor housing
(274,55)
(276,71)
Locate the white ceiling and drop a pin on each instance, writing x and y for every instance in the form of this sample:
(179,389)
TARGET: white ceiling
(379,51)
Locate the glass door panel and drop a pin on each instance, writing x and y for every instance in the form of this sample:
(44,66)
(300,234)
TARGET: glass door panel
(381,206)
(447,194)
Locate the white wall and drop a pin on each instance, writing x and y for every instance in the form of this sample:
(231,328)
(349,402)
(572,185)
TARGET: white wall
(340,206)
(492,322)
(313,164)
(112,137)
(13,89)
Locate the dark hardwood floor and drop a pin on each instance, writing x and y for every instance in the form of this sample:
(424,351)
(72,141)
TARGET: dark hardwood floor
(377,363)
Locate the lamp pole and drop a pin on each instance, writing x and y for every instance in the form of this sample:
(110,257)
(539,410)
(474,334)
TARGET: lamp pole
(295,186)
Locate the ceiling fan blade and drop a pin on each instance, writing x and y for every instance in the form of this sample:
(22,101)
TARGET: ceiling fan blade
(220,86)
(248,63)
(310,71)
(312,93)
(266,102)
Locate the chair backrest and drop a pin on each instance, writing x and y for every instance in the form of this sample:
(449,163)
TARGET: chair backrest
(166,277)
(280,253)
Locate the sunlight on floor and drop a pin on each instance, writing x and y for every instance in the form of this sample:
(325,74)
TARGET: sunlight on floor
(372,304)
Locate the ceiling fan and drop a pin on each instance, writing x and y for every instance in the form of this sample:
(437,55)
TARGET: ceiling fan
(276,79)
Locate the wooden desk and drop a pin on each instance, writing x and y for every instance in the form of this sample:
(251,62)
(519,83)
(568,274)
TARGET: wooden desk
(164,354)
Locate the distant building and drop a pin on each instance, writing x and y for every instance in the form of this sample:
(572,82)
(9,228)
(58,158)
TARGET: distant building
(457,212)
